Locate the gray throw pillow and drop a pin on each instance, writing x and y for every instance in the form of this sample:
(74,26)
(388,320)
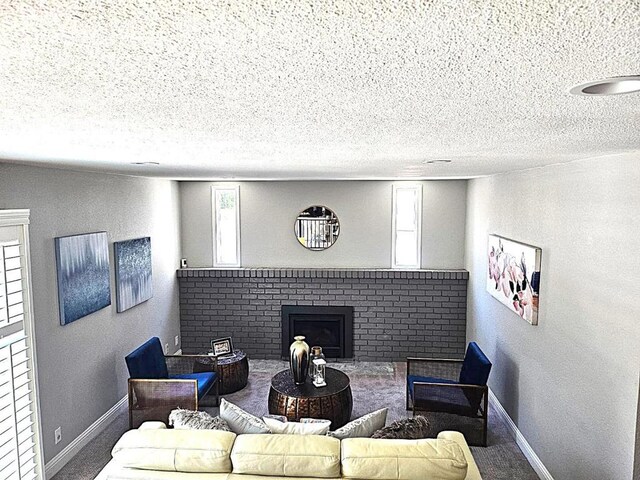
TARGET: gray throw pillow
(407,428)
(192,420)
(364,426)
(240,421)
(280,418)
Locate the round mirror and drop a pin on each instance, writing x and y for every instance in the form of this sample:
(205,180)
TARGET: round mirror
(317,228)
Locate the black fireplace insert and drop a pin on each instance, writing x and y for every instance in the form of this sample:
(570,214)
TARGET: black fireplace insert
(328,327)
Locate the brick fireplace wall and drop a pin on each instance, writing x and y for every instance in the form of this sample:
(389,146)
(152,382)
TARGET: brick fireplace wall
(396,313)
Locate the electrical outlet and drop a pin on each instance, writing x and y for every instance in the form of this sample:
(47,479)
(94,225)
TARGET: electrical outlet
(166,349)
(58,435)
(177,340)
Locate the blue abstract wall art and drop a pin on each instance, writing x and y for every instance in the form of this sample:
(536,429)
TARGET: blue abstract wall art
(134,283)
(82,263)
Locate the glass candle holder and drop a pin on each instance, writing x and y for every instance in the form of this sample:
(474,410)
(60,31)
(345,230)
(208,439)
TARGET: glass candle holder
(319,365)
(316,352)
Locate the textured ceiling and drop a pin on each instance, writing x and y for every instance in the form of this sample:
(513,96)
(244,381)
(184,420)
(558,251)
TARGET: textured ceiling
(314,89)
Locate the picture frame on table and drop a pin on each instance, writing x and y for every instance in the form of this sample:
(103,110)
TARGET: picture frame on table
(222,347)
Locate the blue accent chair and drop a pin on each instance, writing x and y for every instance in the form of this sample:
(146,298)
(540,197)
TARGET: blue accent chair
(456,387)
(159,383)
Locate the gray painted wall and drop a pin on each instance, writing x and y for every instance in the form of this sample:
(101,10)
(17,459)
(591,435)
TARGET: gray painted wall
(81,366)
(268,211)
(570,383)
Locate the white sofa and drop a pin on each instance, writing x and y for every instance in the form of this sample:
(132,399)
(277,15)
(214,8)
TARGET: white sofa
(154,452)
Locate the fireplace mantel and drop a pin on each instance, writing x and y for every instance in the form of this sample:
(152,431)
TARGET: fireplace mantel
(367,273)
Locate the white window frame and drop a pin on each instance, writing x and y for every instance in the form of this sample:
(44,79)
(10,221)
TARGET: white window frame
(10,334)
(214,189)
(418,189)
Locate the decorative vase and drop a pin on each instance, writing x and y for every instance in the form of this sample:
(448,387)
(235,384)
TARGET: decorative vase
(299,360)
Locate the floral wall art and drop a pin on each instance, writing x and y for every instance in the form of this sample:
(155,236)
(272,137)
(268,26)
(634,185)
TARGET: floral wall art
(513,276)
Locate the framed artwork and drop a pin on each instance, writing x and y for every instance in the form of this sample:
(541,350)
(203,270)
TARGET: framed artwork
(513,276)
(222,347)
(134,283)
(82,264)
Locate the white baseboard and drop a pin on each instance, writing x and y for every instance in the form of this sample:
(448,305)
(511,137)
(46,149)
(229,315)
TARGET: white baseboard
(528,452)
(54,465)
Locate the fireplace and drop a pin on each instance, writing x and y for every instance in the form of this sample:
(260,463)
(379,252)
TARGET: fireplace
(328,327)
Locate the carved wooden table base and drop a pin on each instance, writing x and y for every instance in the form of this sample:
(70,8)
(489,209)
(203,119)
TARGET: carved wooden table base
(333,402)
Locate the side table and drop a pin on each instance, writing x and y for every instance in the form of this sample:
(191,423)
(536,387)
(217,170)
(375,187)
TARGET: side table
(233,371)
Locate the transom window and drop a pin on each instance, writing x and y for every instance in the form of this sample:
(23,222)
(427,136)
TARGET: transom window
(226,226)
(406,226)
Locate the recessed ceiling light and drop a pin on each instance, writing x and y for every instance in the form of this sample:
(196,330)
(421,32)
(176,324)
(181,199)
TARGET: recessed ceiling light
(609,86)
(439,160)
(145,163)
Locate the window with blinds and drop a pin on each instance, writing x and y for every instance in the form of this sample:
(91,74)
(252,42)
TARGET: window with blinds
(20,456)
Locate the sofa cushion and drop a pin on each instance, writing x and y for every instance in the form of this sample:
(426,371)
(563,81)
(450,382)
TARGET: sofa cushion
(381,459)
(297,428)
(152,425)
(240,421)
(473,473)
(175,450)
(311,456)
(364,426)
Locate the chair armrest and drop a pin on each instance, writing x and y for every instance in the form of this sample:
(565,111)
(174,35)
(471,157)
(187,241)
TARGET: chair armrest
(440,392)
(162,391)
(177,364)
(434,367)
(425,359)
(153,399)
(463,386)
(153,425)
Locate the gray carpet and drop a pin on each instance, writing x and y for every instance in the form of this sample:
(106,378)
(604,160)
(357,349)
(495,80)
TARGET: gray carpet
(374,386)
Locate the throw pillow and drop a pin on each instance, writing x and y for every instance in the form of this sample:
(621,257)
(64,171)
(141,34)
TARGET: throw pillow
(407,428)
(315,420)
(280,418)
(240,421)
(297,428)
(191,420)
(364,426)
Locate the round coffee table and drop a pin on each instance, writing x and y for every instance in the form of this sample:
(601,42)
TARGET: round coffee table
(233,371)
(333,402)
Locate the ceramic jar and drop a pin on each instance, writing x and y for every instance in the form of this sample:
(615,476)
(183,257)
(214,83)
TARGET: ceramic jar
(299,360)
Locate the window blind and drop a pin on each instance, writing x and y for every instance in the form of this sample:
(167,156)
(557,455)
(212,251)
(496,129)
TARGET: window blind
(20,457)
